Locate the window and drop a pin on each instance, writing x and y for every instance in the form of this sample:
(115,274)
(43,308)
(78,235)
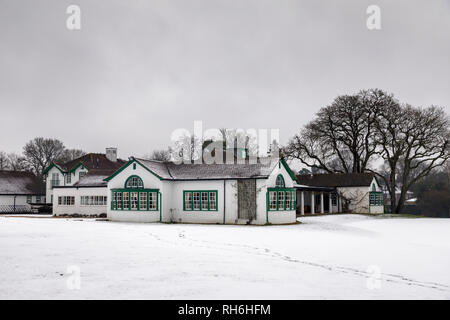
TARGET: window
(142,200)
(69,178)
(55,180)
(134,200)
(66,201)
(119,200)
(114,201)
(200,200)
(188,201)
(288,200)
(81,174)
(281,200)
(38,199)
(152,201)
(280,181)
(376,199)
(334,199)
(212,201)
(28,199)
(273,200)
(125,201)
(204,201)
(134,182)
(93,200)
(196,197)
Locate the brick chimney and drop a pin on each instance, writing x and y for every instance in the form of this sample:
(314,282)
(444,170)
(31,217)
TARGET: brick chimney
(111,154)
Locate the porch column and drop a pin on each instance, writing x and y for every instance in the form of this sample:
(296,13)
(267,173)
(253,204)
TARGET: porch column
(312,202)
(330,203)
(321,203)
(302,203)
(339,203)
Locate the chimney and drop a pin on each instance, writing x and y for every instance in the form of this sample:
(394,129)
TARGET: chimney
(111,154)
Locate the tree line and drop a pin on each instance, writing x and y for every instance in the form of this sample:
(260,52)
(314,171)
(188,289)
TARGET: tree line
(357,132)
(37,155)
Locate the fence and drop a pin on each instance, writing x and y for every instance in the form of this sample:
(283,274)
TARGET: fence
(7,209)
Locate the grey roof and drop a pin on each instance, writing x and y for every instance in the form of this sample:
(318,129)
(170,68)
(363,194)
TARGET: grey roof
(172,171)
(336,179)
(19,182)
(92,180)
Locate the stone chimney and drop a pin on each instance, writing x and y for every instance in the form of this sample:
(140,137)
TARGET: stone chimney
(111,154)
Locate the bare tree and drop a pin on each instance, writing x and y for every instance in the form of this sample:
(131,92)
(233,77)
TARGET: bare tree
(3,161)
(17,162)
(40,152)
(160,155)
(341,137)
(413,142)
(70,154)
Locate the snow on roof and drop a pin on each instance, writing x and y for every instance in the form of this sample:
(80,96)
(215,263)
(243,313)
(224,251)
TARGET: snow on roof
(187,171)
(19,182)
(92,180)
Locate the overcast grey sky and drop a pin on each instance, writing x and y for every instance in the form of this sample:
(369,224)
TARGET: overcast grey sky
(137,70)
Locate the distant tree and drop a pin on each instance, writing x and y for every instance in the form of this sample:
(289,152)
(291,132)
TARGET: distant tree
(70,154)
(160,155)
(3,161)
(17,162)
(40,152)
(413,142)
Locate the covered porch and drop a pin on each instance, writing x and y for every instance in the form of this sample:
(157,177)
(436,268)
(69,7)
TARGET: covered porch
(315,200)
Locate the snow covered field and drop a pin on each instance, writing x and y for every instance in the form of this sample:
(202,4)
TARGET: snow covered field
(327,257)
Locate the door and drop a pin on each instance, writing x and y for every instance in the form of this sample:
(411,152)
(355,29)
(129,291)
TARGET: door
(247,199)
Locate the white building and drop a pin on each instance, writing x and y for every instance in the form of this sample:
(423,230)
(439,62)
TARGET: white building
(19,191)
(78,187)
(154,191)
(339,192)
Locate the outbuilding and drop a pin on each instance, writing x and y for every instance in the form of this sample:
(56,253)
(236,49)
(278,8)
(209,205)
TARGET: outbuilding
(19,191)
(339,192)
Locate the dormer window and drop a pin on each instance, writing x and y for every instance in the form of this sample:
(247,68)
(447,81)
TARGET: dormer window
(280,182)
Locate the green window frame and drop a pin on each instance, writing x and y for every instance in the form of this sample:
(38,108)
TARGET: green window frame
(134,182)
(200,200)
(281,199)
(279,182)
(69,178)
(135,199)
(376,198)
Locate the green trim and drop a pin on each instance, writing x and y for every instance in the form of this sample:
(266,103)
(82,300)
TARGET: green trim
(377,199)
(115,192)
(292,199)
(286,166)
(51,166)
(200,204)
(75,167)
(133,160)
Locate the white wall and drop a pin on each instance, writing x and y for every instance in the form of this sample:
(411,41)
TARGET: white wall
(360,198)
(77,208)
(150,182)
(62,180)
